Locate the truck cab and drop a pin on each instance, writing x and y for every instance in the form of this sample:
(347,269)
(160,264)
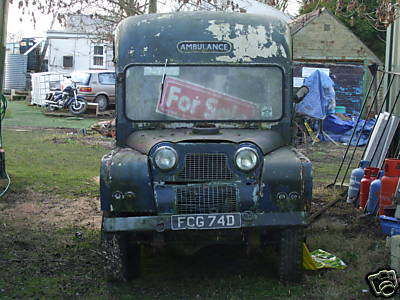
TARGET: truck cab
(203,131)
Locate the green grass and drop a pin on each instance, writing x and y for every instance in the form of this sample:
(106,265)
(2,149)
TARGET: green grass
(326,159)
(19,114)
(44,258)
(53,263)
(49,162)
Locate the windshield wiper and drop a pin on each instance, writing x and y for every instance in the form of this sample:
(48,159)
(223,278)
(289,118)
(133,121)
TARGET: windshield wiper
(162,80)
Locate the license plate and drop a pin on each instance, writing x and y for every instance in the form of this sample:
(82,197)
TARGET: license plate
(206,221)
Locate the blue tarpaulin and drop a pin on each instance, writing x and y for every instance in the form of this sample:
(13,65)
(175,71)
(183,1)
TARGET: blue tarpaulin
(317,103)
(341,130)
(336,125)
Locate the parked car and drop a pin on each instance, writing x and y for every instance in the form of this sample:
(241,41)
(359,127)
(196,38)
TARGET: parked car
(96,86)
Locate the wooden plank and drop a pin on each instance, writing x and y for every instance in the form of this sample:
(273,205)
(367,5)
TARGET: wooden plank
(15,92)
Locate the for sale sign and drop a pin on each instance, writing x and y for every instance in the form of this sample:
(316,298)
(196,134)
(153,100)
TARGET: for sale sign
(188,101)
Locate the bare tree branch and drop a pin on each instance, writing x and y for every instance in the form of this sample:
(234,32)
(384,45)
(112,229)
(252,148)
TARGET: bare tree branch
(109,13)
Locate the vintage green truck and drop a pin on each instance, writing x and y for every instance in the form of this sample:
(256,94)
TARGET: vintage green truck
(204,109)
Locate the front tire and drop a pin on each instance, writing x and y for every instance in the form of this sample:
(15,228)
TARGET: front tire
(291,254)
(122,258)
(78,107)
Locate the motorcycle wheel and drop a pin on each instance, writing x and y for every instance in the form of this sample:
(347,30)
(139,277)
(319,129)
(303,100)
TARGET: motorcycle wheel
(78,107)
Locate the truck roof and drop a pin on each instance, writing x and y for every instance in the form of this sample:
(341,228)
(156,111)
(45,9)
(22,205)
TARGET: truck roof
(194,37)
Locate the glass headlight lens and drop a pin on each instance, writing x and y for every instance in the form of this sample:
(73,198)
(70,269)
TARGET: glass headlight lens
(165,158)
(246,159)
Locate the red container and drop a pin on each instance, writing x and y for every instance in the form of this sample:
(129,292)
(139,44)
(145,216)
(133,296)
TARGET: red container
(389,183)
(370,175)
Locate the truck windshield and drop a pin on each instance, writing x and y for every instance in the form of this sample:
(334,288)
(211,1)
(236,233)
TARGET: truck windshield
(218,93)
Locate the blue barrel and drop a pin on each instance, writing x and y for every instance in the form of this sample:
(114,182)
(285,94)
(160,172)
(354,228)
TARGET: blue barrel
(355,179)
(373,198)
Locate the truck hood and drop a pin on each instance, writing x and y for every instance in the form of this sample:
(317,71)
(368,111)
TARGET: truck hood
(144,140)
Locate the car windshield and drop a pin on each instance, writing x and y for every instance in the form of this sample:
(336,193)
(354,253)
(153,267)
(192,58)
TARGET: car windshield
(80,77)
(157,93)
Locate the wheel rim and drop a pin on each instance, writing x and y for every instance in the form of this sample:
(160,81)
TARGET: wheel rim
(102,102)
(77,105)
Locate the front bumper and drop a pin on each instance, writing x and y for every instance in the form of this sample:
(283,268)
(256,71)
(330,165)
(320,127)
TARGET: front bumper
(163,223)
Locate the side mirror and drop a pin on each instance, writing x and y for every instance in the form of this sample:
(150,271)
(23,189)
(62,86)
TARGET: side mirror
(300,94)
(67,76)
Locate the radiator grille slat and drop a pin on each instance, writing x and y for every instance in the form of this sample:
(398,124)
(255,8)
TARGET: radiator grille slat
(205,166)
(197,199)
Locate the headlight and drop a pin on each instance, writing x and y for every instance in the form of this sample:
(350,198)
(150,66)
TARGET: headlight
(246,159)
(165,158)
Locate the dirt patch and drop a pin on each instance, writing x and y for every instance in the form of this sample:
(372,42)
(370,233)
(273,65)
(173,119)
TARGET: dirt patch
(90,140)
(46,209)
(68,135)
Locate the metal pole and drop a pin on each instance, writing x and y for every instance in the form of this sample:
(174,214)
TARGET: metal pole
(380,110)
(359,137)
(3,38)
(369,139)
(355,127)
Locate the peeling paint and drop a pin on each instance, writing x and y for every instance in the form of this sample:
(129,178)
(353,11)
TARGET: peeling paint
(255,194)
(268,125)
(248,41)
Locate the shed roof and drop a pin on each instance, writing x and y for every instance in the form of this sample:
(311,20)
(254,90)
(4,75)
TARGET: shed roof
(299,22)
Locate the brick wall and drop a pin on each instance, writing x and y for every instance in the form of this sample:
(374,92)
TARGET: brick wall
(348,83)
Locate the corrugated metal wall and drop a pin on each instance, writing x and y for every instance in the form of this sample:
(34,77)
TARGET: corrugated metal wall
(15,71)
(349,83)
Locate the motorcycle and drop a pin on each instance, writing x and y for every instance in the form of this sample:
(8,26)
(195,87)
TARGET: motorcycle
(68,98)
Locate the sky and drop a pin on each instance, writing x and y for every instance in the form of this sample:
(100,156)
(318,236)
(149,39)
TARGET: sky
(26,28)
(18,29)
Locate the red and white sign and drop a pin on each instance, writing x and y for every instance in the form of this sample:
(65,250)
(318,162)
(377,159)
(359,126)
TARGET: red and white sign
(188,101)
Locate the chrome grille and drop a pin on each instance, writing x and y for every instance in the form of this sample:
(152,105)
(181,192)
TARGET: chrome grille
(205,166)
(203,199)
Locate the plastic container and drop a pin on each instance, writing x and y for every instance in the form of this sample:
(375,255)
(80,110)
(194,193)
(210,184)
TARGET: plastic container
(340,109)
(389,183)
(373,198)
(370,175)
(390,226)
(355,179)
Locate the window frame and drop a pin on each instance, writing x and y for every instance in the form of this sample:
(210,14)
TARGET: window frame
(93,56)
(280,67)
(72,61)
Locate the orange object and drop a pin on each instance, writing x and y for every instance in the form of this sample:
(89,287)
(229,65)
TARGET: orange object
(389,183)
(370,175)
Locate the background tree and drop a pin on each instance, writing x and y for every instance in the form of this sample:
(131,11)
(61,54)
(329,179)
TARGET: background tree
(106,14)
(367,19)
